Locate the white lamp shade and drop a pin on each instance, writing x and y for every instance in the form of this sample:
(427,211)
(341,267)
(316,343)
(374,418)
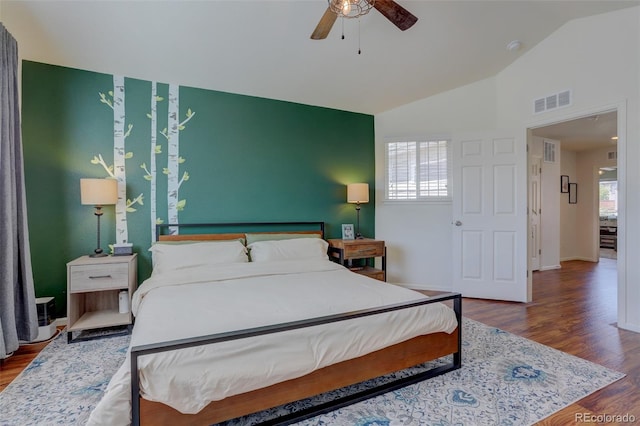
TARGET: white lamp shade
(358,193)
(98,192)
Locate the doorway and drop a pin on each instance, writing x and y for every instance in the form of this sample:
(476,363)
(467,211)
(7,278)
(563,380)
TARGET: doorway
(584,146)
(608,211)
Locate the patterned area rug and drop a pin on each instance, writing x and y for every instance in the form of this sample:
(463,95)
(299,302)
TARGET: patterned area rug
(504,380)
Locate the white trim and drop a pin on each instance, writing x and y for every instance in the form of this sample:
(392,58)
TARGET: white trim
(584,259)
(628,326)
(550,268)
(621,108)
(438,200)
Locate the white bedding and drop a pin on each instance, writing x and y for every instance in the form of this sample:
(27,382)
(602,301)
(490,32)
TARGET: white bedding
(208,300)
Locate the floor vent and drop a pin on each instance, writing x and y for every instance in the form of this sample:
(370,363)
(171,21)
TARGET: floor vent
(557,100)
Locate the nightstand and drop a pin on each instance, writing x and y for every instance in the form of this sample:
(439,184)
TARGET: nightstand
(93,291)
(359,256)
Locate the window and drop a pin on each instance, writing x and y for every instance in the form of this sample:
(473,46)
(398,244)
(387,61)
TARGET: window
(609,199)
(418,170)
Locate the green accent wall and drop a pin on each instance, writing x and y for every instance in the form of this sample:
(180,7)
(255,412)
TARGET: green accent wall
(248,159)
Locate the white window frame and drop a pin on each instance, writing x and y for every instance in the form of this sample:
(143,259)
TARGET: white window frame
(418,197)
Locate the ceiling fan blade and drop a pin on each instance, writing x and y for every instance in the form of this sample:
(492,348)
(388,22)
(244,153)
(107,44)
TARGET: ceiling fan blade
(324,26)
(397,14)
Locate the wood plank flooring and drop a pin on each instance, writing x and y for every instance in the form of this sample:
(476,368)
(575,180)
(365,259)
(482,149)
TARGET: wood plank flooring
(574,310)
(12,366)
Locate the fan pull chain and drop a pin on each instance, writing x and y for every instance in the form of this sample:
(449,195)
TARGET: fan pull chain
(342,21)
(359,51)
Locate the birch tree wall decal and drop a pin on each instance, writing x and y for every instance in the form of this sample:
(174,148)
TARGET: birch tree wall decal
(155,150)
(116,101)
(119,169)
(174,181)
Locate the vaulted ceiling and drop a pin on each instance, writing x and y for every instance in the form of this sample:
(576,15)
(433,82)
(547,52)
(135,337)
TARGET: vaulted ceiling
(263,48)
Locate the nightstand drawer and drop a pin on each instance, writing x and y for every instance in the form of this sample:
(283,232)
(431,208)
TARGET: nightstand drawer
(98,277)
(363,249)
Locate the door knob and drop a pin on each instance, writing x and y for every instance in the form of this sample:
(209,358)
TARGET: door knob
(458,223)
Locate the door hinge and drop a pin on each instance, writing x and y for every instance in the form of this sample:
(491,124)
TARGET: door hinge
(540,251)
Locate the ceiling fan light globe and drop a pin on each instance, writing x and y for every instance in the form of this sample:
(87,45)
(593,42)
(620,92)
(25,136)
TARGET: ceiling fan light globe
(350,8)
(346,7)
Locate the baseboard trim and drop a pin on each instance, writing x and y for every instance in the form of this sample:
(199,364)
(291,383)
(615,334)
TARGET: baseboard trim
(584,259)
(549,268)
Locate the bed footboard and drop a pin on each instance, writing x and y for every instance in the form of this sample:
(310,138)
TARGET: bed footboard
(394,358)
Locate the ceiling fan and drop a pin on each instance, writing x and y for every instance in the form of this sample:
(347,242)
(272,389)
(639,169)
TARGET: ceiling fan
(398,15)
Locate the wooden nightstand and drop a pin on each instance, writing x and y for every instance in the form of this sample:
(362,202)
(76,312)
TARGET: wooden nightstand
(359,256)
(93,287)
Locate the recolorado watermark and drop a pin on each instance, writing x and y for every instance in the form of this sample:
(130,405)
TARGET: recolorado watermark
(604,418)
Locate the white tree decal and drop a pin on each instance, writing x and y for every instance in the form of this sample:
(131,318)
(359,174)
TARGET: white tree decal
(174,181)
(155,150)
(120,172)
(115,100)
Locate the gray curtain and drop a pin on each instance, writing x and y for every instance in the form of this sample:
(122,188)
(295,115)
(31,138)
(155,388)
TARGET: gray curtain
(18,316)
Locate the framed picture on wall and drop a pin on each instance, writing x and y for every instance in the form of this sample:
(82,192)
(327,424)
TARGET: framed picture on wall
(564,184)
(347,231)
(573,193)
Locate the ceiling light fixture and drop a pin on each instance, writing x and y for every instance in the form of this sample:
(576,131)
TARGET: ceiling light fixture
(351,8)
(614,138)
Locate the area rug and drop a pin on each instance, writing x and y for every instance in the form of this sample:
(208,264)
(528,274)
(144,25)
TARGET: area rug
(505,380)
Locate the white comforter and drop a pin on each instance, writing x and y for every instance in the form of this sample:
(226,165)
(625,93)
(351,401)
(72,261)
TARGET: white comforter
(201,301)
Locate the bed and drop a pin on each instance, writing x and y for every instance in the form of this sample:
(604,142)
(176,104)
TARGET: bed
(216,340)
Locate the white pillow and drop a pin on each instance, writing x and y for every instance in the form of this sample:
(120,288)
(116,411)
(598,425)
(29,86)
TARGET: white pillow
(169,257)
(294,249)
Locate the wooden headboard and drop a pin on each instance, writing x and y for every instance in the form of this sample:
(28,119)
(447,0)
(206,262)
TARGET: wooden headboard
(228,230)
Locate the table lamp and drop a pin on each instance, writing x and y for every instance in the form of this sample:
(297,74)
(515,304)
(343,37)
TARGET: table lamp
(358,193)
(98,193)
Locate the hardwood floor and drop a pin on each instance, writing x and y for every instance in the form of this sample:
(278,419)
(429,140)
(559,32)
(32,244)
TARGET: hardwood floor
(12,366)
(574,310)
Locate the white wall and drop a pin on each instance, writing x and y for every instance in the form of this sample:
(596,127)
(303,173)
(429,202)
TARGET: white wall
(580,222)
(587,165)
(569,249)
(418,236)
(597,58)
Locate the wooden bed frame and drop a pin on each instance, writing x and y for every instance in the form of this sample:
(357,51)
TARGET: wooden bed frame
(391,359)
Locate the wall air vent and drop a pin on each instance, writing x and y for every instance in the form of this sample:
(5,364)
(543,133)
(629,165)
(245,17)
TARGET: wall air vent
(557,100)
(612,155)
(564,98)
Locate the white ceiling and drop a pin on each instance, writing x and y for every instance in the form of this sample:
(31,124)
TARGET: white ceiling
(594,131)
(262,48)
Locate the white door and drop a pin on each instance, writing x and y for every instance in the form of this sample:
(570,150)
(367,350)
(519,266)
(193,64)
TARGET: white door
(535,169)
(489,217)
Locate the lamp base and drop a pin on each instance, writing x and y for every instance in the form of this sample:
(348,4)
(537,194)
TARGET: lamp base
(98,253)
